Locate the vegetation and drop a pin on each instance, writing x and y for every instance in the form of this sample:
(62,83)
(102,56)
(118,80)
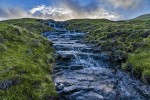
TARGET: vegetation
(25,61)
(34,25)
(144,17)
(128,40)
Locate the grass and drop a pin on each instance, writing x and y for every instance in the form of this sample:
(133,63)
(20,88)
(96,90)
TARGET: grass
(33,25)
(26,61)
(130,37)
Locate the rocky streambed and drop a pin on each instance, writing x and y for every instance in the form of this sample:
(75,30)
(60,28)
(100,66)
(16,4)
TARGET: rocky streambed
(81,73)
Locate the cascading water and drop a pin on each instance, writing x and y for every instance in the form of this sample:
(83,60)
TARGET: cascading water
(82,74)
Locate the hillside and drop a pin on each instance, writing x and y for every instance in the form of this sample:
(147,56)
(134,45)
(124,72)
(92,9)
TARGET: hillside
(25,61)
(127,41)
(143,17)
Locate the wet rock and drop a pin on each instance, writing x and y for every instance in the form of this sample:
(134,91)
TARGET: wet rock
(99,79)
(87,50)
(69,90)
(60,86)
(98,50)
(124,97)
(105,56)
(60,67)
(65,57)
(76,67)
(143,91)
(89,96)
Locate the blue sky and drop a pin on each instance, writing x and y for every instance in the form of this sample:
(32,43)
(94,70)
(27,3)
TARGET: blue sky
(71,9)
(26,4)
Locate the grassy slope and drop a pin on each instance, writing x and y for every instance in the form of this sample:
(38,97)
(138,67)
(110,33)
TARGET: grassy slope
(144,17)
(128,38)
(25,60)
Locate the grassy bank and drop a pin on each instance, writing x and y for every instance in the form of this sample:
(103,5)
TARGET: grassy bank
(25,61)
(129,39)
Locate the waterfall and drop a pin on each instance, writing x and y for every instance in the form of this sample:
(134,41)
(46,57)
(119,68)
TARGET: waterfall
(82,74)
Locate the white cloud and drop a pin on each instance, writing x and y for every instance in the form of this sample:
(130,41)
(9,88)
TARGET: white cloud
(127,4)
(1,19)
(65,12)
(48,10)
(73,9)
(38,8)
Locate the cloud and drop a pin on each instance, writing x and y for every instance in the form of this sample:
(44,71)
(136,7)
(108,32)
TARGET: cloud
(49,12)
(1,19)
(90,10)
(71,9)
(38,8)
(12,12)
(74,9)
(127,4)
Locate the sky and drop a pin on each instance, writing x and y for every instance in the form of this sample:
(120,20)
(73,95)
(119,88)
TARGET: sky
(73,9)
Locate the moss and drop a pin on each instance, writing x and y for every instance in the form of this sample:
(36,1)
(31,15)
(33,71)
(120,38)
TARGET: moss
(26,57)
(140,63)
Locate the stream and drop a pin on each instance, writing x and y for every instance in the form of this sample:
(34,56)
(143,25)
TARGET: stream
(82,73)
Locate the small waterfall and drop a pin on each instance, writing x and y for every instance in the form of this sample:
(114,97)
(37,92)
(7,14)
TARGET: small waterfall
(81,74)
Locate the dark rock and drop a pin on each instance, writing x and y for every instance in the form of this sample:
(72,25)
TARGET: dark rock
(76,67)
(9,83)
(70,90)
(129,67)
(65,57)
(105,56)
(60,86)
(119,56)
(143,91)
(60,67)
(98,50)
(146,34)
(87,50)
